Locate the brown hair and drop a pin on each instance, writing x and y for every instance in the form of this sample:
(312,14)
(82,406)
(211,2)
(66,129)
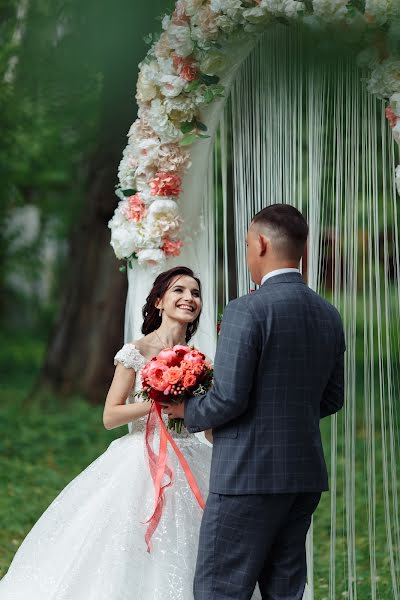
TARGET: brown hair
(288,226)
(151,314)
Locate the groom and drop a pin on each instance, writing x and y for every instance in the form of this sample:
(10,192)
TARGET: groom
(278,371)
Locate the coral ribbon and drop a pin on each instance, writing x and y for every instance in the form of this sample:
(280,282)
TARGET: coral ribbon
(160,469)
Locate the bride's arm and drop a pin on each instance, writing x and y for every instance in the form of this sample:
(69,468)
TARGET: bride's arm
(116,412)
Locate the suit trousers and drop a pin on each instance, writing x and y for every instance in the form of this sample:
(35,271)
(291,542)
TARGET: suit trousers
(245,539)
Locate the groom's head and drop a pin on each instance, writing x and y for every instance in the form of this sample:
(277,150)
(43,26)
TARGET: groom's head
(276,239)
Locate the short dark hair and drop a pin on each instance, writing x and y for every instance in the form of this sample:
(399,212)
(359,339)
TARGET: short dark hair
(288,227)
(151,315)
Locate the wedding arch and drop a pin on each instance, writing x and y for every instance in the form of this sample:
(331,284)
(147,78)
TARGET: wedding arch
(237,92)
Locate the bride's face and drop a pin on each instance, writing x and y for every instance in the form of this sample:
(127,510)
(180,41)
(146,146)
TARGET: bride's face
(182,302)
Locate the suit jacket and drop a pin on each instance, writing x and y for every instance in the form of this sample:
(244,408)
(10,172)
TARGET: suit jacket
(279,368)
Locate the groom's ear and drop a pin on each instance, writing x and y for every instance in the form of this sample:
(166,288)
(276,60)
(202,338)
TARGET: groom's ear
(263,243)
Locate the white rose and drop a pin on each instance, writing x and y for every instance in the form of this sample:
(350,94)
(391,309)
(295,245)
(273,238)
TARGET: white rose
(184,105)
(146,89)
(163,218)
(163,209)
(171,85)
(180,40)
(157,118)
(153,257)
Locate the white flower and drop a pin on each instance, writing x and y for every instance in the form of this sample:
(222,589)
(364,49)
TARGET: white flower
(163,218)
(257,14)
(395,103)
(231,8)
(398,179)
(382,10)
(192,6)
(385,78)
(182,108)
(146,89)
(157,118)
(171,85)
(330,10)
(152,257)
(396,132)
(180,40)
(127,168)
(213,62)
(122,232)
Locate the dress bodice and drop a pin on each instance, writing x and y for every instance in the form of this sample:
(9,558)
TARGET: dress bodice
(130,357)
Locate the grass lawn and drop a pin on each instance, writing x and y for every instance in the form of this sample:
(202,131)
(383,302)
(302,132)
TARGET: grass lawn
(44,444)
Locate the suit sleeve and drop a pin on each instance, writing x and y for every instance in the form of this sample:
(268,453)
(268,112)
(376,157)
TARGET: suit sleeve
(236,361)
(333,396)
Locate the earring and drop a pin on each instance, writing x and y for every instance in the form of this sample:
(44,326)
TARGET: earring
(160,313)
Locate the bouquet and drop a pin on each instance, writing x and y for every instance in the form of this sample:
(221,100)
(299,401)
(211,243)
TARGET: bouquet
(176,374)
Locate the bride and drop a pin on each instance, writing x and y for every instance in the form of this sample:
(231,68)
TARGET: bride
(90,542)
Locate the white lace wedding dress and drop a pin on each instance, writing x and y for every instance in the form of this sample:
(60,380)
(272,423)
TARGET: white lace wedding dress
(89,544)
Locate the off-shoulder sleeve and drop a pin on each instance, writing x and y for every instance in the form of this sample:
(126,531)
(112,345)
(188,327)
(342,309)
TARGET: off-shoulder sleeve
(130,357)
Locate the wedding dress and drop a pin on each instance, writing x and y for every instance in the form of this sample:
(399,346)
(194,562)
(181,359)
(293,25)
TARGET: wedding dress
(90,543)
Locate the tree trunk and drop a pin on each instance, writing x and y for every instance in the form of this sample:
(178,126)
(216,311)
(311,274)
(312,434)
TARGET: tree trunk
(89,330)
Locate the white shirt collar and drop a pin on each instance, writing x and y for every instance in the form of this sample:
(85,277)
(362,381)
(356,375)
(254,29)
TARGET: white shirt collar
(278,272)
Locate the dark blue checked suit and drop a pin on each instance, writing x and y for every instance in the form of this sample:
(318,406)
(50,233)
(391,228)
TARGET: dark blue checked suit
(278,370)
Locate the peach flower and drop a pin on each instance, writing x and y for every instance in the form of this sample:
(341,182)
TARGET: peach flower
(173,375)
(171,248)
(166,184)
(391,116)
(189,380)
(136,208)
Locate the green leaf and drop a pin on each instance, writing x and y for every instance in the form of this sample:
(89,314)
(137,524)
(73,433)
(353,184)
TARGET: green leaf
(187,126)
(188,139)
(200,135)
(128,192)
(201,126)
(209,79)
(192,86)
(122,269)
(208,96)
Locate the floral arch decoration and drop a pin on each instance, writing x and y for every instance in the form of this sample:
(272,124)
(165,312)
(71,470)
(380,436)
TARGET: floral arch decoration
(180,90)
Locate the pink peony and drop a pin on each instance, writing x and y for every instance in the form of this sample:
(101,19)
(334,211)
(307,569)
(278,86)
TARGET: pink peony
(171,248)
(194,357)
(189,380)
(391,116)
(169,356)
(156,379)
(181,350)
(179,16)
(152,367)
(136,209)
(166,184)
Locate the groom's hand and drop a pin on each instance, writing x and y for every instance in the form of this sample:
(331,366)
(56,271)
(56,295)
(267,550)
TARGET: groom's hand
(174,411)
